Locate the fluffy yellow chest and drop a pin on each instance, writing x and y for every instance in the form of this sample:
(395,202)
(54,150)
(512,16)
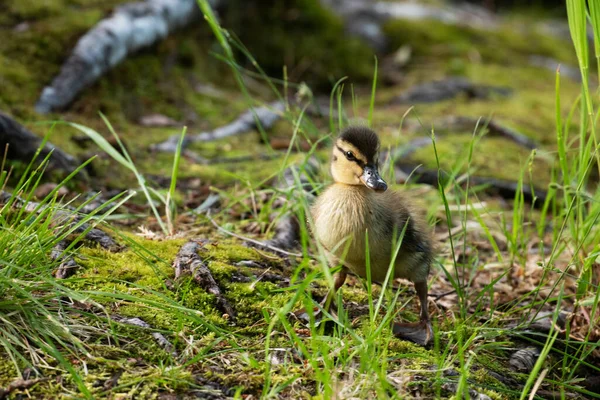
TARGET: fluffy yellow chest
(342,212)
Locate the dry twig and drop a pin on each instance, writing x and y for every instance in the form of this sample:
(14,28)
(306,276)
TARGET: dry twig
(188,261)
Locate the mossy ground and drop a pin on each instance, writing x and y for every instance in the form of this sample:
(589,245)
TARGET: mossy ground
(162,80)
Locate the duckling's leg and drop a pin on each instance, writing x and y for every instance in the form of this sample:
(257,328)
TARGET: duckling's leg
(338,281)
(328,302)
(422,332)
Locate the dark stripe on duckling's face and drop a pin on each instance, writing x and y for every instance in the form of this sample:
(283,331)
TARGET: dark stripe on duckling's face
(350,156)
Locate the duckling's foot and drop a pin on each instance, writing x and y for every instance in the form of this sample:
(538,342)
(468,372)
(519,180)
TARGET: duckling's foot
(303,316)
(420,333)
(318,312)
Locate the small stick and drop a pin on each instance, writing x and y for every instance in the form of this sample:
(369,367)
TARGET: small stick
(159,337)
(19,384)
(188,261)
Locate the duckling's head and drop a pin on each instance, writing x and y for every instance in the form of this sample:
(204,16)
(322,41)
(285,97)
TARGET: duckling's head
(355,159)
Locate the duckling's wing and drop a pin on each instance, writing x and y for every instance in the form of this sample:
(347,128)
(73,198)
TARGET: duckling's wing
(406,220)
(413,240)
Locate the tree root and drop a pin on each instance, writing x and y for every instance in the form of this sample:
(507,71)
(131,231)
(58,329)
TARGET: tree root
(264,116)
(23,145)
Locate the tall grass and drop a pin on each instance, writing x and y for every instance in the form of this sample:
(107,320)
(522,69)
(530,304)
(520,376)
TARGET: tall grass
(123,157)
(31,303)
(47,325)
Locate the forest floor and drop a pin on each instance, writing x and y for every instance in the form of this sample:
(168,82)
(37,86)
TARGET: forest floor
(184,306)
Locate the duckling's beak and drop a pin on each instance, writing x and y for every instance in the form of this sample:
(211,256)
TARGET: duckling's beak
(371,179)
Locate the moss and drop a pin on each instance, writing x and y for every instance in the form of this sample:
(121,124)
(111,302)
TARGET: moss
(494,157)
(145,277)
(462,44)
(7,369)
(232,253)
(403,347)
(178,63)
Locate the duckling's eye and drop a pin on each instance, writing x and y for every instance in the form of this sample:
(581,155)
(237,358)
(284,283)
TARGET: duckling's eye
(350,156)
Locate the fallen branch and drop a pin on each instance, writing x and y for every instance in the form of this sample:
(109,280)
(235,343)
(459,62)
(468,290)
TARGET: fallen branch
(503,188)
(159,337)
(188,261)
(266,116)
(493,129)
(130,28)
(22,145)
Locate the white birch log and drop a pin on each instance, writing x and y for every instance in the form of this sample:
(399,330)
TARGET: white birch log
(130,28)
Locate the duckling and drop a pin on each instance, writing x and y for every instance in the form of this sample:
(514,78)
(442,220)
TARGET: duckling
(358,202)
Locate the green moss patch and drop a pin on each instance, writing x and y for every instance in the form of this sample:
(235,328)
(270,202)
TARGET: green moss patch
(509,44)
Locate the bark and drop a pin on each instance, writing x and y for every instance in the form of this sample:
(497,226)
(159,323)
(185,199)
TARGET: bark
(23,146)
(130,28)
(523,360)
